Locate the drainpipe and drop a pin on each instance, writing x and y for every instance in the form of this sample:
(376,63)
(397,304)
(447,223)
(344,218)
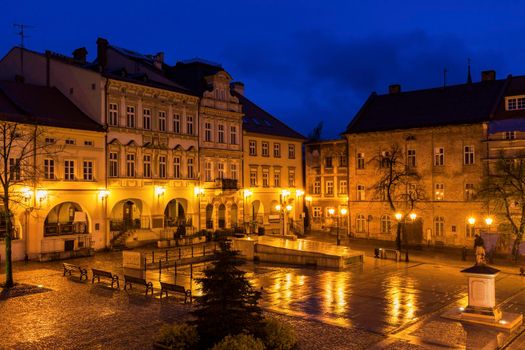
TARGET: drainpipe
(105,200)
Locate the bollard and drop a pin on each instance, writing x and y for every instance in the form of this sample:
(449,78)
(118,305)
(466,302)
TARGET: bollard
(160,269)
(179,253)
(406,256)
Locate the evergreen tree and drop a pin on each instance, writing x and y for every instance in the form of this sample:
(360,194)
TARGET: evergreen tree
(228,305)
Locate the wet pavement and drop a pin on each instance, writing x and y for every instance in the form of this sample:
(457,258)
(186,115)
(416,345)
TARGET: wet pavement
(380,304)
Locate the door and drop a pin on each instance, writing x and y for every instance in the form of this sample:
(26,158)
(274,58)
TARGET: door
(127,216)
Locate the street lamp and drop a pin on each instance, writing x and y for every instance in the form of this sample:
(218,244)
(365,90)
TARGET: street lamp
(283,213)
(246,194)
(489,221)
(471,220)
(342,212)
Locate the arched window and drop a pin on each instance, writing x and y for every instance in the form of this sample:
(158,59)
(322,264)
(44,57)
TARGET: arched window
(360,223)
(439,226)
(385,224)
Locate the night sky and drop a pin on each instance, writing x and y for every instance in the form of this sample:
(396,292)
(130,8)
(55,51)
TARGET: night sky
(303,61)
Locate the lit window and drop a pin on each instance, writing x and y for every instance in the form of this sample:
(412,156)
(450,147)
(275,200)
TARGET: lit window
(88,170)
(439,156)
(130,116)
(113,164)
(253,148)
(515,103)
(162,121)
(291,151)
(329,188)
(509,135)
(439,192)
(360,161)
(147,166)
(130,165)
(277,150)
(146,119)
(386,225)
(360,192)
(265,149)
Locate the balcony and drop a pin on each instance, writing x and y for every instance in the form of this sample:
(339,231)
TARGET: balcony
(226,184)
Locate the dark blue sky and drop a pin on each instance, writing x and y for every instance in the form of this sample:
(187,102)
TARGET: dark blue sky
(304,61)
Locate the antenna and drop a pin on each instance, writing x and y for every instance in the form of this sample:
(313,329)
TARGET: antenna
(21,31)
(445,71)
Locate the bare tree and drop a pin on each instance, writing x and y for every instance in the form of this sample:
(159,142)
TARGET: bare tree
(20,147)
(398,183)
(503,191)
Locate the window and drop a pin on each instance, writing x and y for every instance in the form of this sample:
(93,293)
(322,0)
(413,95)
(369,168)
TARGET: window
(439,156)
(208,171)
(411,158)
(317,186)
(360,222)
(49,169)
(291,151)
(130,165)
(233,135)
(50,141)
(468,155)
(277,150)
(469,192)
(69,170)
(385,224)
(291,177)
(277,178)
(207,132)
(176,167)
(14,169)
(146,119)
(220,170)
(253,147)
(469,230)
(343,161)
(316,212)
(162,167)
(265,149)
(176,123)
(147,166)
(130,117)
(328,162)
(113,164)
(253,177)
(88,143)
(360,192)
(360,161)
(113,114)
(191,173)
(70,142)
(220,133)
(439,226)
(266,177)
(189,125)
(329,188)
(509,135)
(439,192)
(162,121)
(88,170)
(385,160)
(343,187)
(516,103)
(233,171)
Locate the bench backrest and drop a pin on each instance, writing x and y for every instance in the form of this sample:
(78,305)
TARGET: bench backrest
(135,279)
(172,287)
(71,266)
(102,273)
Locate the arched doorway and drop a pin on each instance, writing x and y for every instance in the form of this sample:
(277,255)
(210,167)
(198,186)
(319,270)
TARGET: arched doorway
(233,216)
(209,216)
(126,215)
(175,213)
(65,219)
(222,216)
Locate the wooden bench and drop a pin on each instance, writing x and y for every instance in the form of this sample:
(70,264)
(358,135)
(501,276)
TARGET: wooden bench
(130,280)
(100,273)
(384,252)
(170,287)
(70,268)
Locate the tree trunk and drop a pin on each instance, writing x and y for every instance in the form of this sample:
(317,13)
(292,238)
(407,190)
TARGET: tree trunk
(8,260)
(398,236)
(516,246)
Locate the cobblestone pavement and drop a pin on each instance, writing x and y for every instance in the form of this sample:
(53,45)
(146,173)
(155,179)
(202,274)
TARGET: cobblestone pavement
(378,305)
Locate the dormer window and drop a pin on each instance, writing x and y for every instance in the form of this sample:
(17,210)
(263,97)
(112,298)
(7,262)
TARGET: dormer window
(509,135)
(515,103)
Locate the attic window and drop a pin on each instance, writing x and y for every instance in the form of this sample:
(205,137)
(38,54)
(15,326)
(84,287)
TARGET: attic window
(516,103)
(509,135)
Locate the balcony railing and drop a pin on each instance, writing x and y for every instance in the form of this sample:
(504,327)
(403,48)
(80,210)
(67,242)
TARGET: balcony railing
(64,228)
(121,225)
(226,184)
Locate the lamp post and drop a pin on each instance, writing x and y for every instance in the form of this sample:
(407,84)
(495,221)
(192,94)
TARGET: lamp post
(400,216)
(245,195)
(198,192)
(283,214)
(342,212)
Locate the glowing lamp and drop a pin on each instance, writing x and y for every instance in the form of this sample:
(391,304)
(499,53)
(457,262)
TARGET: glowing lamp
(398,216)
(412,216)
(159,190)
(285,193)
(343,211)
(41,195)
(489,221)
(247,193)
(308,198)
(471,220)
(289,207)
(331,211)
(103,194)
(27,193)
(278,207)
(198,190)
(299,193)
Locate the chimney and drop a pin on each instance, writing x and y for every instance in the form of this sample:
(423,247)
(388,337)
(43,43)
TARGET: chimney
(158,60)
(80,54)
(238,87)
(102,52)
(394,89)
(488,75)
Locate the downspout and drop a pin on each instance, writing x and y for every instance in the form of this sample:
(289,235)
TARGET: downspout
(105,198)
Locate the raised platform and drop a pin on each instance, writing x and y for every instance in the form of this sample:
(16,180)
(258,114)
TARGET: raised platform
(509,321)
(297,252)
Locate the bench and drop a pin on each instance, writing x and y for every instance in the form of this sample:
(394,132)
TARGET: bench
(383,253)
(100,273)
(70,268)
(130,280)
(170,287)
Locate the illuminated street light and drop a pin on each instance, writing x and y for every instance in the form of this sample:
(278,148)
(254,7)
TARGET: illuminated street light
(331,211)
(299,193)
(247,193)
(289,207)
(398,216)
(198,190)
(412,216)
(471,220)
(41,195)
(308,198)
(159,190)
(489,221)
(343,211)
(27,193)
(278,207)
(102,194)
(285,193)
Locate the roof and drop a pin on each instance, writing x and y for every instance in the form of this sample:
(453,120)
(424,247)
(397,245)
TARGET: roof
(192,73)
(257,120)
(458,104)
(481,269)
(41,105)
